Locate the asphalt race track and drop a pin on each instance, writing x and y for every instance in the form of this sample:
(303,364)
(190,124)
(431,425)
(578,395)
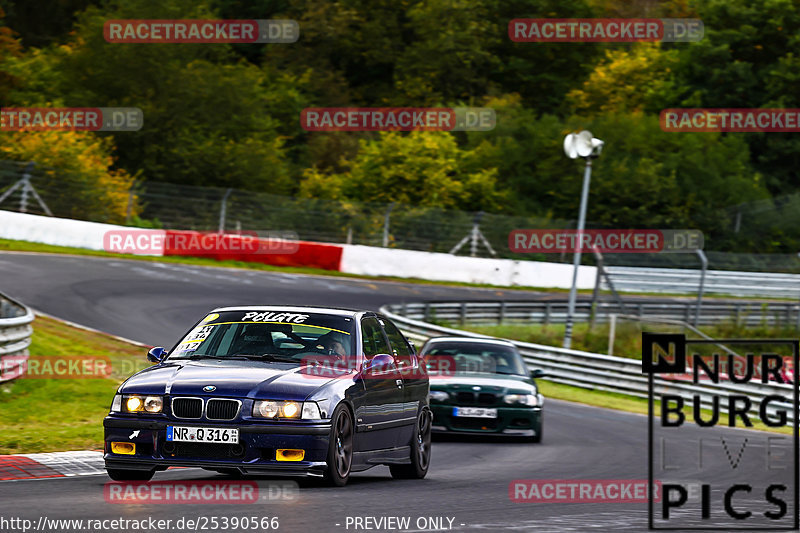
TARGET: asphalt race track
(469,478)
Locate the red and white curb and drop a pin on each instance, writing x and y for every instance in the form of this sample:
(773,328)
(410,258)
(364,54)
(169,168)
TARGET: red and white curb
(50,465)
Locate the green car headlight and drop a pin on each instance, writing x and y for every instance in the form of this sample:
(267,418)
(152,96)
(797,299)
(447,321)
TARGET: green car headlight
(438,396)
(531,400)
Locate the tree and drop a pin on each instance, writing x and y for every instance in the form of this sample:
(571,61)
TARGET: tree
(208,116)
(75,174)
(420,168)
(9,47)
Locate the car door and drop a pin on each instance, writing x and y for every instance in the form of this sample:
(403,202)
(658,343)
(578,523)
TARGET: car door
(414,376)
(380,410)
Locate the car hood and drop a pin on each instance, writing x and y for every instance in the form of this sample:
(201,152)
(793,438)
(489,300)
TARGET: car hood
(238,379)
(498,383)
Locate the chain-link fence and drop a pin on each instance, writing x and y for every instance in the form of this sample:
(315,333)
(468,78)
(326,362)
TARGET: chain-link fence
(33,189)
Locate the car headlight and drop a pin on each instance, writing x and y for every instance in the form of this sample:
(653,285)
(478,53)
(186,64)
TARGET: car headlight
(531,400)
(438,396)
(137,403)
(286,409)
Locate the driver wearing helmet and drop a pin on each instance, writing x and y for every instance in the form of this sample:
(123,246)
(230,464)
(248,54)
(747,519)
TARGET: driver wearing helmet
(334,343)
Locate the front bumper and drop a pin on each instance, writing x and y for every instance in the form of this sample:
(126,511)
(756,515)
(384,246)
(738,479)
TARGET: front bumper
(254,454)
(512,421)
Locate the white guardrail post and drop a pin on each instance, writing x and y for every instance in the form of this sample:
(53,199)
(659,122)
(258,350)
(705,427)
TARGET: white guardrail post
(585,369)
(15,336)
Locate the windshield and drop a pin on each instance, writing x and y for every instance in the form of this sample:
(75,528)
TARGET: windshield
(267,335)
(472,358)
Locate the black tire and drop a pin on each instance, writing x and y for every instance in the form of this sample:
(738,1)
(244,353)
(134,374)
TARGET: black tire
(130,475)
(340,447)
(420,450)
(539,427)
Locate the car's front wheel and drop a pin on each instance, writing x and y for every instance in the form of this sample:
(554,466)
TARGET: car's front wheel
(420,450)
(340,447)
(130,475)
(538,429)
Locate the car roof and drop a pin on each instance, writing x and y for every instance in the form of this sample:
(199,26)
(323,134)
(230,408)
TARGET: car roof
(292,309)
(472,340)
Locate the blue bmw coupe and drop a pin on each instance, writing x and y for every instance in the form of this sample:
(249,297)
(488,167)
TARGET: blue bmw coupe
(287,391)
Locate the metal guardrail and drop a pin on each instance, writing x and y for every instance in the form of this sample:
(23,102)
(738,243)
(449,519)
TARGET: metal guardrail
(15,336)
(597,371)
(687,281)
(555,312)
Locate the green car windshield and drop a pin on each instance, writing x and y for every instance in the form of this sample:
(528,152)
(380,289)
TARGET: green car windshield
(475,358)
(267,335)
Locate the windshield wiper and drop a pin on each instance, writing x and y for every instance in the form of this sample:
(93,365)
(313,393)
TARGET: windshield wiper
(263,357)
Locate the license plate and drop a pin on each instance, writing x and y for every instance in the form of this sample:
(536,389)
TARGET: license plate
(475,412)
(214,435)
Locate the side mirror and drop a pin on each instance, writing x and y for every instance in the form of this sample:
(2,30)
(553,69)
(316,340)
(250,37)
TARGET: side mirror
(538,373)
(379,364)
(156,354)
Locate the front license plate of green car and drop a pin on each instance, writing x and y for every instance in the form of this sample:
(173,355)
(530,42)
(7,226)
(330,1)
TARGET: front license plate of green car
(475,412)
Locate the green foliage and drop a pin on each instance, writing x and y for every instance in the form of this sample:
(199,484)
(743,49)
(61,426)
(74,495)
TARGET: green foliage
(228,115)
(422,168)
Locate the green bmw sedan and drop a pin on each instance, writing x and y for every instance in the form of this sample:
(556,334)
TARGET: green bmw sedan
(482,386)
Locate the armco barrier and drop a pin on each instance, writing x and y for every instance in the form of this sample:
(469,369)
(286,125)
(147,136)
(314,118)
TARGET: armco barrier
(687,281)
(15,335)
(785,314)
(597,371)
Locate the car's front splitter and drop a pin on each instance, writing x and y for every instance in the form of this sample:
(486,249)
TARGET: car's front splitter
(256,451)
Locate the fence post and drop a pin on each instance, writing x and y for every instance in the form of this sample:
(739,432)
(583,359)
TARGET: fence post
(612,327)
(386,225)
(129,208)
(223,209)
(463,315)
(797,324)
(547,313)
(704,262)
(597,278)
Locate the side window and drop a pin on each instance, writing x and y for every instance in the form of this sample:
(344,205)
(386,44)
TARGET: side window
(400,347)
(374,342)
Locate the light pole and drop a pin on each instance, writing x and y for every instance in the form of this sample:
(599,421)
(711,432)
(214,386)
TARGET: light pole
(586,146)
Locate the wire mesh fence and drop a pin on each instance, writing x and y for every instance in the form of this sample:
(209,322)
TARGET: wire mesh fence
(174,206)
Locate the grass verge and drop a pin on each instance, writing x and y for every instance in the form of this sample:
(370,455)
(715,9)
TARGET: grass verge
(47,415)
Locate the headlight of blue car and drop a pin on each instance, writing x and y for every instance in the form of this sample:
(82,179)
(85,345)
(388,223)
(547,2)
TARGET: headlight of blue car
(530,400)
(137,403)
(286,409)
